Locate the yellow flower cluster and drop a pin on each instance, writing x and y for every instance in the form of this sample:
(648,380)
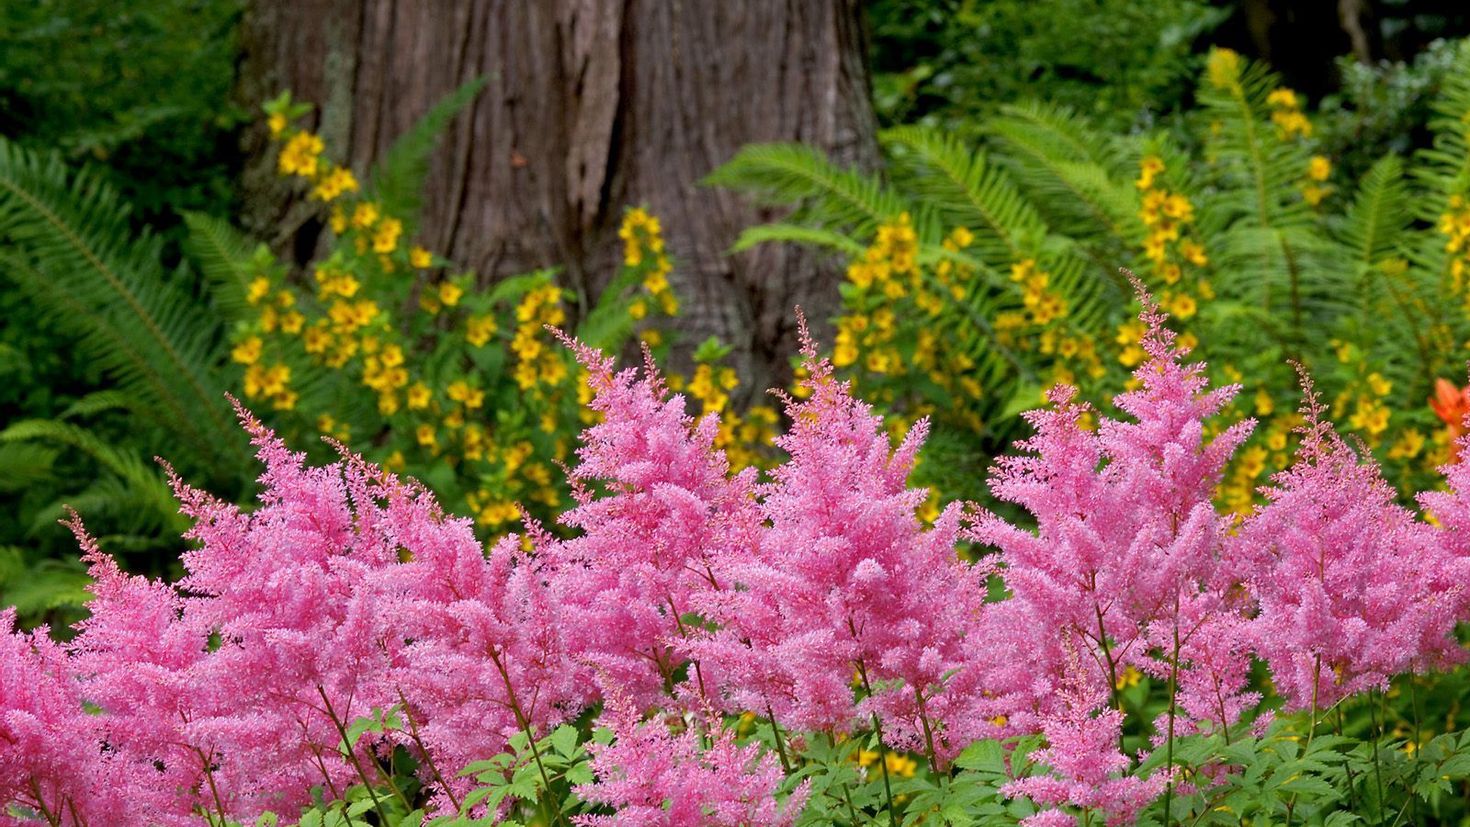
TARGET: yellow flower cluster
(536,362)
(1315,188)
(1263,455)
(272,383)
(894,763)
(301,155)
(643,248)
(745,439)
(1454,223)
(1370,411)
(1176,257)
(384,373)
(425,375)
(1286,113)
(1223,69)
(1043,305)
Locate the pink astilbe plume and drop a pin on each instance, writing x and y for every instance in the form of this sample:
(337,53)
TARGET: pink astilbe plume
(656,506)
(847,580)
(1125,562)
(489,654)
(52,762)
(140,660)
(1082,749)
(305,633)
(655,778)
(1351,588)
(1127,547)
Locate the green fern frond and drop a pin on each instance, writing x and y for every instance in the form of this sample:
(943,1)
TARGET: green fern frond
(37,587)
(224,257)
(783,232)
(1077,175)
(824,194)
(97,402)
(397,181)
(24,465)
(968,191)
(70,249)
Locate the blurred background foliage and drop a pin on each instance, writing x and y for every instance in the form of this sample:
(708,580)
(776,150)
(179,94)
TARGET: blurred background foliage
(1014,137)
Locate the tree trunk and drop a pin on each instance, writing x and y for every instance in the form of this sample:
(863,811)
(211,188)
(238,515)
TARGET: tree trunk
(590,106)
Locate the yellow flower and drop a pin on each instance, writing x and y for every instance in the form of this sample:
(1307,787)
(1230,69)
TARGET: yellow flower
(1408,446)
(1378,384)
(418,396)
(1148,168)
(365,215)
(299,157)
(1314,195)
(1183,306)
(385,240)
(292,321)
(1194,253)
(426,436)
(1223,68)
(333,184)
(900,765)
(1319,168)
(259,287)
(479,329)
(450,293)
(1264,406)
(277,123)
(1283,98)
(317,340)
(247,352)
(419,257)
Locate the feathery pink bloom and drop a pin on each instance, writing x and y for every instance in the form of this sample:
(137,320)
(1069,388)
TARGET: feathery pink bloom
(656,506)
(51,758)
(847,582)
(1082,749)
(655,778)
(1351,589)
(1125,568)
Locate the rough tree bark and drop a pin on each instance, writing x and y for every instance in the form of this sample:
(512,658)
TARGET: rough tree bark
(591,106)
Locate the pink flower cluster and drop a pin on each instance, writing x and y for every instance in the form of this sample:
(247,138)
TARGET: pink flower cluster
(815,598)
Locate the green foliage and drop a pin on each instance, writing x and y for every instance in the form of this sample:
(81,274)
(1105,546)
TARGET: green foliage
(144,86)
(988,265)
(951,63)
